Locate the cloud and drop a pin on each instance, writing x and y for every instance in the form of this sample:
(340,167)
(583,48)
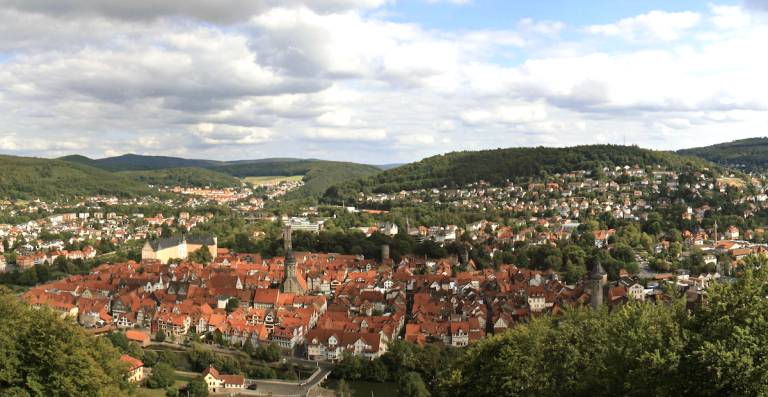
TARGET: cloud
(729,17)
(656,25)
(504,115)
(331,78)
(228,134)
(220,11)
(449,1)
(756,5)
(341,134)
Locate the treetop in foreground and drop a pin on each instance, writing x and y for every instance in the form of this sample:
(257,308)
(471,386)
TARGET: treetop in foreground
(640,349)
(43,355)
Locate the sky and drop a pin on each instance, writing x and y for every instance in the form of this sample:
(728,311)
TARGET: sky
(376,81)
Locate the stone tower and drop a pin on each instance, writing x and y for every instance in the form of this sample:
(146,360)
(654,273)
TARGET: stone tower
(290,283)
(715,233)
(287,239)
(598,279)
(384,252)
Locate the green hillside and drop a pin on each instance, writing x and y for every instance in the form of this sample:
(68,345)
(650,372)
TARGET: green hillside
(318,175)
(76,158)
(185,177)
(752,152)
(496,166)
(29,177)
(160,161)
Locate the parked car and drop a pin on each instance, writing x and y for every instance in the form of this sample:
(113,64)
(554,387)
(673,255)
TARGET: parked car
(252,386)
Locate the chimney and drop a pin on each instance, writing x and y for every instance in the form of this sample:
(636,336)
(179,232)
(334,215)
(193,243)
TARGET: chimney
(287,238)
(384,252)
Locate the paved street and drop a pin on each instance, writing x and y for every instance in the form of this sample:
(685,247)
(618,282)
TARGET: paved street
(277,388)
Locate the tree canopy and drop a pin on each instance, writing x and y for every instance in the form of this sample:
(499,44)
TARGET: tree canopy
(42,354)
(638,349)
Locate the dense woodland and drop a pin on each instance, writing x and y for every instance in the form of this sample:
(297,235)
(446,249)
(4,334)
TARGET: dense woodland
(185,177)
(109,167)
(752,152)
(517,165)
(29,177)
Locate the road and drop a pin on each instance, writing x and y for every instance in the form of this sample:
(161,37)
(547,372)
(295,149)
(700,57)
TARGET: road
(277,388)
(645,270)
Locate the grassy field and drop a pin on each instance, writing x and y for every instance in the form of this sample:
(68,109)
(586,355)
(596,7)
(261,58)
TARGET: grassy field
(732,181)
(258,180)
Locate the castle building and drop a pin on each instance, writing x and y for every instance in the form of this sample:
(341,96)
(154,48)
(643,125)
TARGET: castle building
(598,280)
(178,247)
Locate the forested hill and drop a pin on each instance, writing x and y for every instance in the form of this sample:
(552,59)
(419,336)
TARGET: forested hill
(160,161)
(318,175)
(136,162)
(184,176)
(76,158)
(29,178)
(752,152)
(516,164)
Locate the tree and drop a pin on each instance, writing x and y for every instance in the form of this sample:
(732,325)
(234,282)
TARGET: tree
(168,357)
(411,385)
(28,277)
(729,336)
(172,392)
(273,352)
(343,389)
(150,358)
(197,387)
(118,340)
(160,336)
(248,347)
(200,356)
(43,354)
(290,375)
(163,376)
(134,350)
(232,305)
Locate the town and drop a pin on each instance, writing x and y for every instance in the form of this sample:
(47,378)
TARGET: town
(482,278)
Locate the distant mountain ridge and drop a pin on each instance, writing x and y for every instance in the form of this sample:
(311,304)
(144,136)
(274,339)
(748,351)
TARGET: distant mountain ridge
(160,161)
(751,152)
(138,162)
(175,171)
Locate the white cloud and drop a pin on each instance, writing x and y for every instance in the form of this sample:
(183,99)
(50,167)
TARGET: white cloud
(225,134)
(504,115)
(346,134)
(220,11)
(446,125)
(336,118)
(449,1)
(656,25)
(94,78)
(729,17)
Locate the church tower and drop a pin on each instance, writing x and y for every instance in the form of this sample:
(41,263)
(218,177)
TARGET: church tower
(287,238)
(290,283)
(598,279)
